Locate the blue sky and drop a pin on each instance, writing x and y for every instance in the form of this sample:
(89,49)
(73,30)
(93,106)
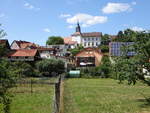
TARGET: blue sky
(36,20)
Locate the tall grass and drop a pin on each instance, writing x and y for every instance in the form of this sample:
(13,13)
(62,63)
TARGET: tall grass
(104,96)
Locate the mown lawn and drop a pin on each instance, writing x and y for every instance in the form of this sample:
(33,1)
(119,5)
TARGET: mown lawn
(40,101)
(104,96)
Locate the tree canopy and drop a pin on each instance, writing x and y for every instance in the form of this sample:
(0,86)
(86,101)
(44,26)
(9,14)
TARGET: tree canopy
(131,68)
(127,35)
(50,67)
(54,40)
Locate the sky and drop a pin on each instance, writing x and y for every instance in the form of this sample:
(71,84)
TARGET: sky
(36,20)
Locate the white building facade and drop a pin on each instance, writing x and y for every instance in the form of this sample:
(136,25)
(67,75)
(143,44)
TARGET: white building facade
(90,39)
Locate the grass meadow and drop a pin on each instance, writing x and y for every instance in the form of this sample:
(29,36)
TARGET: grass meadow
(40,101)
(104,96)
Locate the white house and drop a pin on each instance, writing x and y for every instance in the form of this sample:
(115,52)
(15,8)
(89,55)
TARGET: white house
(89,39)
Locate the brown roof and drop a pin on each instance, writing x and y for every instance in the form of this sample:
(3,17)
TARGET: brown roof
(113,36)
(68,40)
(89,34)
(92,34)
(88,52)
(23,52)
(25,44)
(45,49)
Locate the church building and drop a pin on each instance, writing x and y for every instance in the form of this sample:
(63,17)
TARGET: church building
(88,39)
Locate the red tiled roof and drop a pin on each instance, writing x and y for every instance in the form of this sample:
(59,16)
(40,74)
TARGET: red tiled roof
(68,40)
(23,52)
(25,44)
(88,52)
(45,49)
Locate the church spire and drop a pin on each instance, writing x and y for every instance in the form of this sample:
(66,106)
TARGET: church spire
(78,29)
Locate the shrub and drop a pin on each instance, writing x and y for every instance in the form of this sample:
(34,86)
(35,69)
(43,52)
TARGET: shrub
(50,67)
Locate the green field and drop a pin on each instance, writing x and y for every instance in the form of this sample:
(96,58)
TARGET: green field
(40,101)
(104,96)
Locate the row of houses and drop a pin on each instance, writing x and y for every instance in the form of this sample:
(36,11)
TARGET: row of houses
(91,55)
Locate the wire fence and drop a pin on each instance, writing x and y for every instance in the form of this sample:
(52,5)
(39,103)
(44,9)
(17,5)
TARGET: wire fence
(41,85)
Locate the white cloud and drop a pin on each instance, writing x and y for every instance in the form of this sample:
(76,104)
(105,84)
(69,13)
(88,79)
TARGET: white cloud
(64,15)
(86,19)
(47,30)
(135,28)
(116,8)
(2,15)
(70,26)
(30,6)
(134,3)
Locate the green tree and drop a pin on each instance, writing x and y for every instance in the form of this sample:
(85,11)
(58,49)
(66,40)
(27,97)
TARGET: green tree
(104,70)
(55,40)
(105,43)
(24,69)
(76,50)
(105,39)
(131,68)
(50,67)
(8,76)
(127,35)
(2,49)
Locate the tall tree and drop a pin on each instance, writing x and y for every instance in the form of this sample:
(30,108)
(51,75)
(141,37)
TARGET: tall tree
(131,68)
(7,80)
(55,40)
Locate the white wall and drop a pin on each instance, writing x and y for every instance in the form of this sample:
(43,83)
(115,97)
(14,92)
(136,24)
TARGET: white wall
(77,38)
(91,41)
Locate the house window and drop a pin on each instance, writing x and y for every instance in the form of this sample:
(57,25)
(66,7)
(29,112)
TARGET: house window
(89,44)
(96,44)
(85,44)
(84,39)
(89,39)
(17,57)
(92,43)
(26,57)
(96,39)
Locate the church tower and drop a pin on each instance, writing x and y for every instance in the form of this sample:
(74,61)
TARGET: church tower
(78,29)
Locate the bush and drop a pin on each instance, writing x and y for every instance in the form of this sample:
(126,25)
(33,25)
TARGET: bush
(50,67)
(104,48)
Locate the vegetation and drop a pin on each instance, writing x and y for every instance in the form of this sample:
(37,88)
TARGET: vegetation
(127,35)
(55,40)
(103,70)
(40,100)
(50,67)
(105,43)
(104,96)
(8,75)
(76,50)
(131,68)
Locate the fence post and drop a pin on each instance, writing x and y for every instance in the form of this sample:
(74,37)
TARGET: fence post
(57,95)
(31,86)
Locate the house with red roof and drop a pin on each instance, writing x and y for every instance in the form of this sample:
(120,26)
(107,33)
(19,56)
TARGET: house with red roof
(70,43)
(88,57)
(23,45)
(24,55)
